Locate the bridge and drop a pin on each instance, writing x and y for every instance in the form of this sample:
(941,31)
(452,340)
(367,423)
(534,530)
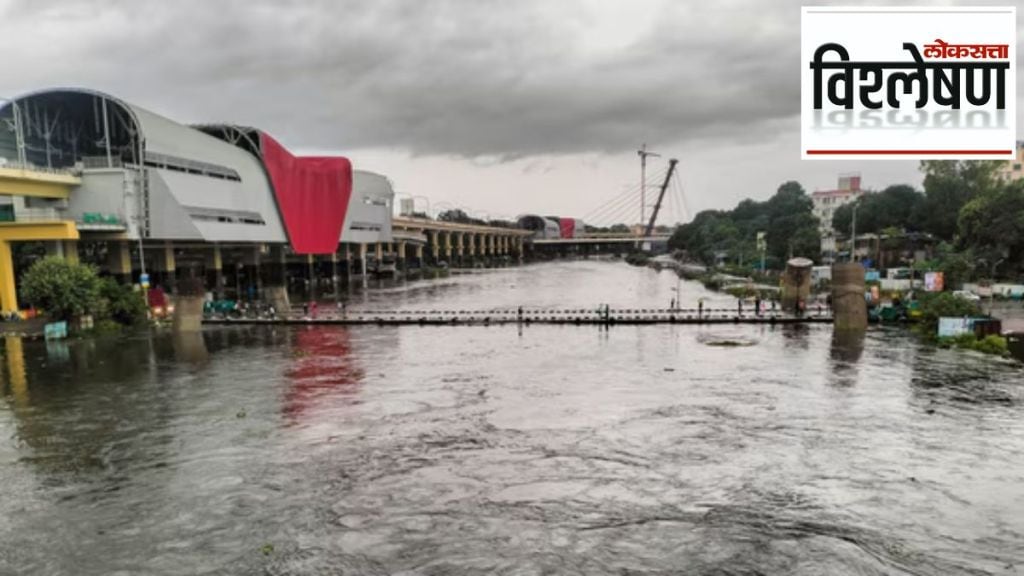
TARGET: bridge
(570,235)
(528,316)
(457,243)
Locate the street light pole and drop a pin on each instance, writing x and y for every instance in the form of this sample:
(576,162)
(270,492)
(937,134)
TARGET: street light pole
(679,282)
(853,234)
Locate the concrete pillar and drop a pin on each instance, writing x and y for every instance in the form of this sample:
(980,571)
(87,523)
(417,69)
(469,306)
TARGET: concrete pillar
(483,244)
(278,275)
(849,307)
(256,262)
(448,246)
(419,255)
(8,294)
(348,264)
(334,276)
(277,296)
(362,259)
(215,271)
(400,256)
(165,264)
(379,252)
(71,251)
(435,246)
(492,242)
(311,276)
(119,260)
(796,284)
(188,313)
(471,244)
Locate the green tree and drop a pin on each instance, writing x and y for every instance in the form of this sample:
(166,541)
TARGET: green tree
(895,208)
(957,267)
(792,228)
(937,305)
(992,226)
(454,215)
(787,218)
(948,186)
(120,303)
(61,289)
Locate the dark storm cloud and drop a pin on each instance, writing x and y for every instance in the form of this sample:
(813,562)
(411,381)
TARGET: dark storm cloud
(471,78)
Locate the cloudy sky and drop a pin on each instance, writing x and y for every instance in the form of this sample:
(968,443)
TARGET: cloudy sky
(501,107)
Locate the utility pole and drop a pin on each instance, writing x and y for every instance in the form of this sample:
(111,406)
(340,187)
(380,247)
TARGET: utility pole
(762,247)
(853,234)
(643,153)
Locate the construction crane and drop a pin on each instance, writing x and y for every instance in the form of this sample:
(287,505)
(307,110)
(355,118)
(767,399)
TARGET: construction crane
(661,195)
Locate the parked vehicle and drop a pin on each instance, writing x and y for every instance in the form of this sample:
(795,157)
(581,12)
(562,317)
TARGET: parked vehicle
(159,304)
(221,309)
(971,296)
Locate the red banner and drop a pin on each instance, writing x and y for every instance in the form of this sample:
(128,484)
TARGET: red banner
(312,194)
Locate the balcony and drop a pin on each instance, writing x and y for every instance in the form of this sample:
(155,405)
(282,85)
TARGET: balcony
(33,181)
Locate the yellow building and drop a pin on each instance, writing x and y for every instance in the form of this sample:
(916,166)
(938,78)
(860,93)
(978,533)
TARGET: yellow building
(22,220)
(1014,169)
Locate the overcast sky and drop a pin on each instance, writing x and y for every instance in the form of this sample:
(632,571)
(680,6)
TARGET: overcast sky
(501,107)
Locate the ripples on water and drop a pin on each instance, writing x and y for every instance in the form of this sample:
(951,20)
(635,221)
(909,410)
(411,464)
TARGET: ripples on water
(546,450)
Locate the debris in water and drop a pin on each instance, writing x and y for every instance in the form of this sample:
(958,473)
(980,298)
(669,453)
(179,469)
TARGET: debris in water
(725,341)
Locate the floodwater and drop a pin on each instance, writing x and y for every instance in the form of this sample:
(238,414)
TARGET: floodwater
(534,450)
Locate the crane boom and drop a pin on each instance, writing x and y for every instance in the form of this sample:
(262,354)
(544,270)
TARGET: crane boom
(661,195)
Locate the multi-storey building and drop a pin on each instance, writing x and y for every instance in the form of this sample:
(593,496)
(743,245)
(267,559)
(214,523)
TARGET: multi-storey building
(825,204)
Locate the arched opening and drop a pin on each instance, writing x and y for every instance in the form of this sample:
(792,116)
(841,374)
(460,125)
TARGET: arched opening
(59,129)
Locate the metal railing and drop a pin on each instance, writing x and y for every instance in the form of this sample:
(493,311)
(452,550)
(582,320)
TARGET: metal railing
(95,162)
(30,167)
(36,215)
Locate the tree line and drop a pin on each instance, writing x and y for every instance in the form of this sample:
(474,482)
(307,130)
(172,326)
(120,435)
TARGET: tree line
(972,218)
(787,219)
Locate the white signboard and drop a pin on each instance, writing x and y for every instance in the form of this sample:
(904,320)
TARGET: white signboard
(952,327)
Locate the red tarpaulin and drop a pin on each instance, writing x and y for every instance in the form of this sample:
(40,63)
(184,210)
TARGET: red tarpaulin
(568,227)
(312,194)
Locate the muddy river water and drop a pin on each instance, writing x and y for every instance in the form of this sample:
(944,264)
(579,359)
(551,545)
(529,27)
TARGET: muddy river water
(511,450)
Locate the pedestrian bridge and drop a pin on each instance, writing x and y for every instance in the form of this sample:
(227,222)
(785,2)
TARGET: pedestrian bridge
(564,316)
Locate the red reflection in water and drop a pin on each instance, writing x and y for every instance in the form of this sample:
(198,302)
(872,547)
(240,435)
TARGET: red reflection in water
(324,371)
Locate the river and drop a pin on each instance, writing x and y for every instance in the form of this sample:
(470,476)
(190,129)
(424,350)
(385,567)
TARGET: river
(534,450)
